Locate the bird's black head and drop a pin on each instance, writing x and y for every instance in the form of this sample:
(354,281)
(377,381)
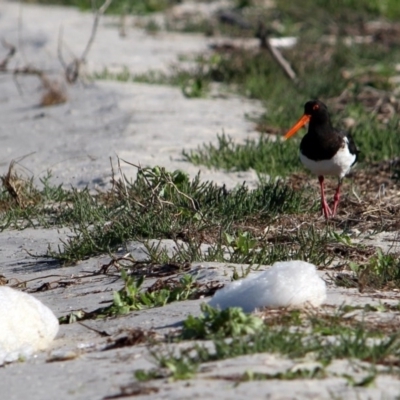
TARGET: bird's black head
(316,114)
(317,111)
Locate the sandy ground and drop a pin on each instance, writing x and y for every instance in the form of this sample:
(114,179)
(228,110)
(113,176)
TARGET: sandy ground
(144,124)
(140,123)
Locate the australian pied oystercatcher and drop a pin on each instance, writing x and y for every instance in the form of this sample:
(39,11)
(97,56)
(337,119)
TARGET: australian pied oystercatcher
(324,150)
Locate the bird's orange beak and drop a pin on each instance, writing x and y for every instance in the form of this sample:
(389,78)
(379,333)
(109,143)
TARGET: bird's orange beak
(300,123)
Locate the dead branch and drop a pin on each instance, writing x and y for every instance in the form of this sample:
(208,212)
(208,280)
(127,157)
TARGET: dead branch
(97,15)
(72,69)
(265,43)
(232,18)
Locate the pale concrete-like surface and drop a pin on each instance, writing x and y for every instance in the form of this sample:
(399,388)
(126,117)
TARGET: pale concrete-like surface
(140,123)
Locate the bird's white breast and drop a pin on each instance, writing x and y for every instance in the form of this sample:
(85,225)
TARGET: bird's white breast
(339,165)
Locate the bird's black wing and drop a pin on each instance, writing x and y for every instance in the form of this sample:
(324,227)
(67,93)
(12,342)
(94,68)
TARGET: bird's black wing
(352,146)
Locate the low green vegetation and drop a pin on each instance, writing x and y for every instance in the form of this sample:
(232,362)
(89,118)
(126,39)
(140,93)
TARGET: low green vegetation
(278,158)
(117,6)
(325,337)
(206,222)
(160,204)
(376,8)
(347,9)
(381,271)
(315,372)
(168,205)
(266,156)
(214,323)
(132,297)
(24,205)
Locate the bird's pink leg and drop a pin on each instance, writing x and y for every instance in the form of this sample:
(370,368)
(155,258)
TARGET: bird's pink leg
(324,205)
(336,198)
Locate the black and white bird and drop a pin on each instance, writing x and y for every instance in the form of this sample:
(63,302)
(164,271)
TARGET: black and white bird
(324,150)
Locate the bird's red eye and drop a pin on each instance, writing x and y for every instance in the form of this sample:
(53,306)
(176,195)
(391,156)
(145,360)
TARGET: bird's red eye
(315,107)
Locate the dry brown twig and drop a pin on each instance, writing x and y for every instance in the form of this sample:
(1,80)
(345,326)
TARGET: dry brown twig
(119,186)
(123,181)
(72,69)
(261,33)
(54,92)
(265,43)
(116,263)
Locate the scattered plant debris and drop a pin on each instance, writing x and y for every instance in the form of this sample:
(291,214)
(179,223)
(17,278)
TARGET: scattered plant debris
(134,337)
(133,389)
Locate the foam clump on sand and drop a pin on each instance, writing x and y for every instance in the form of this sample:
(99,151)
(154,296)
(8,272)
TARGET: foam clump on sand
(285,284)
(26,325)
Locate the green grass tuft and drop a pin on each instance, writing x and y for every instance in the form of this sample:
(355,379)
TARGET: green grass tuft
(161,204)
(117,6)
(266,156)
(325,338)
(214,323)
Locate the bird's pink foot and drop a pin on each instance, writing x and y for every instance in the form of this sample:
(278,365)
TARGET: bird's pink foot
(326,210)
(324,205)
(336,199)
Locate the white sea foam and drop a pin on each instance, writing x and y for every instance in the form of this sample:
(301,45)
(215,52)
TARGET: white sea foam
(26,325)
(285,284)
